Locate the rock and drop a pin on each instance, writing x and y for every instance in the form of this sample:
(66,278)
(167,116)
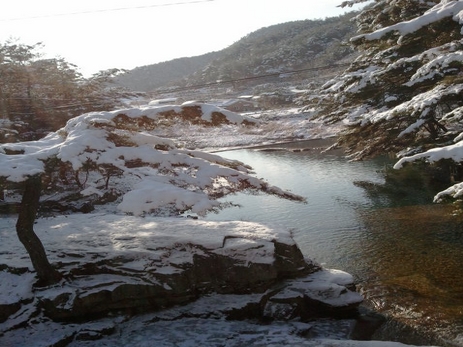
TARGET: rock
(40,331)
(97,295)
(7,310)
(289,300)
(240,266)
(289,260)
(15,290)
(281,310)
(217,306)
(95,333)
(231,270)
(325,293)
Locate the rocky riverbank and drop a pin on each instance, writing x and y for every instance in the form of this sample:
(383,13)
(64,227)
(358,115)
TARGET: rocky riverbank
(119,266)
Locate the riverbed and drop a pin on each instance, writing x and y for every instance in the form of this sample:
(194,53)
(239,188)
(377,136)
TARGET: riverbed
(405,252)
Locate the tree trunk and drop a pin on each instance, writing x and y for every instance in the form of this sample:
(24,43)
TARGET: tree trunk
(3,108)
(25,229)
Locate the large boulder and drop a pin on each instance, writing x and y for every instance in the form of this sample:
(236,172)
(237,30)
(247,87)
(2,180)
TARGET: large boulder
(238,266)
(324,293)
(130,264)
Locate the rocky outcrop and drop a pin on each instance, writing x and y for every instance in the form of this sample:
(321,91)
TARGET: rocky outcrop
(248,270)
(239,266)
(313,293)
(324,293)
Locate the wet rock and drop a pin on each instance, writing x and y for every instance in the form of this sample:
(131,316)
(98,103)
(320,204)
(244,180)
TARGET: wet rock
(367,323)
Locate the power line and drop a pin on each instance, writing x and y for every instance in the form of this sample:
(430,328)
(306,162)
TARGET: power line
(205,85)
(179,3)
(244,79)
(198,86)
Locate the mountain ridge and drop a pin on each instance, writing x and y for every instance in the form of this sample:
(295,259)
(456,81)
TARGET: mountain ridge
(284,47)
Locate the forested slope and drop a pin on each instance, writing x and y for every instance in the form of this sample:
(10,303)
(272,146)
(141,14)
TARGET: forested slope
(278,48)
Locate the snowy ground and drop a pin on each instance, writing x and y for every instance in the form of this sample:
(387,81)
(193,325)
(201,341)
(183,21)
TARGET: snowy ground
(277,126)
(213,333)
(172,327)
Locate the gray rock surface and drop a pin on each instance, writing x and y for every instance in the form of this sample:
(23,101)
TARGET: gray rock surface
(173,268)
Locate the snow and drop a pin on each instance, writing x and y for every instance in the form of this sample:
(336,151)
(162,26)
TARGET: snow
(71,143)
(14,288)
(413,127)
(144,138)
(142,199)
(317,285)
(435,67)
(163,101)
(217,332)
(455,191)
(102,148)
(111,235)
(208,110)
(454,152)
(445,8)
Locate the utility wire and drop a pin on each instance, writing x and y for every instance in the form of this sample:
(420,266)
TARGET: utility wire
(219,82)
(105,10)
(204,85)
(283,73)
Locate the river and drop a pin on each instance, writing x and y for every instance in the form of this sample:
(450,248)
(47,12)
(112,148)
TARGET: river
(405,252)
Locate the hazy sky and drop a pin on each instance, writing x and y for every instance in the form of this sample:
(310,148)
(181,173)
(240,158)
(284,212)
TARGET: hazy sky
(101,34)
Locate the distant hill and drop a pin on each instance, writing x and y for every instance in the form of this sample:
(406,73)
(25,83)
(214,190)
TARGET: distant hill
(150,77)
(292,46)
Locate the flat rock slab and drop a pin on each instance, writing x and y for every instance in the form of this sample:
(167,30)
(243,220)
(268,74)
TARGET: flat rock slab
(142,244)
(119,262)
(185,271)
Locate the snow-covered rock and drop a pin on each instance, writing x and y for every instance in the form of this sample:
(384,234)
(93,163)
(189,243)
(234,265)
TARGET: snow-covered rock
(119,263)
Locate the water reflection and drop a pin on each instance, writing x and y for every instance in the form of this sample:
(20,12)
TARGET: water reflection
(329,218)
(415,261)
(407,259)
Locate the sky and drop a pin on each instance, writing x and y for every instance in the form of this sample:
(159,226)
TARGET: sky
(101,34)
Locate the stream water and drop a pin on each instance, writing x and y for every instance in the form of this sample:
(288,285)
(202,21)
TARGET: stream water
(405,252)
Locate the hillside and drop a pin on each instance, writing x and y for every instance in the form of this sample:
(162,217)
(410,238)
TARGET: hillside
(300,45)
(149,77)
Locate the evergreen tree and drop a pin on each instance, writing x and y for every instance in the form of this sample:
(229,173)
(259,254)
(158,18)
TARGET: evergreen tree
(404,92)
